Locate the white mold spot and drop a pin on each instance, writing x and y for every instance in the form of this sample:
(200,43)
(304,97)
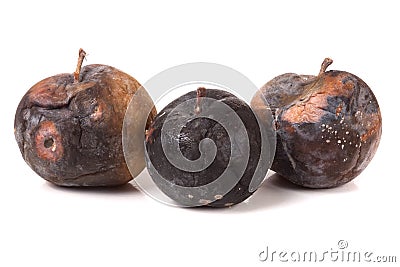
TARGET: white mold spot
(204,201)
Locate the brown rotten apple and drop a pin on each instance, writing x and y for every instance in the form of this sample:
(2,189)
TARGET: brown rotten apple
(328,126)
(69,126)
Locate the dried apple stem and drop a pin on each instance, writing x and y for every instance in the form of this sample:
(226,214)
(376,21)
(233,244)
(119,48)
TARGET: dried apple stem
(82,55)
(201,92)
(325,65)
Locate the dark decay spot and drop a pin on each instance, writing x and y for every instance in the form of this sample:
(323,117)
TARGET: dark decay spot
(337,101)
(48,142)
(334,73)
(347,78)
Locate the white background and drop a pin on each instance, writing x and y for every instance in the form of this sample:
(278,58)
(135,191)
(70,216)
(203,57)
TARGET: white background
(43,225)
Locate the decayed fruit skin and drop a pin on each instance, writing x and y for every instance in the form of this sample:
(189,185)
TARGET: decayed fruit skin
(68,126)
(189,138)
(328,126)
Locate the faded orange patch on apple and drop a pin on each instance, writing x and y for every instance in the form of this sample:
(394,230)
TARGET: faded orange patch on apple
(48,142)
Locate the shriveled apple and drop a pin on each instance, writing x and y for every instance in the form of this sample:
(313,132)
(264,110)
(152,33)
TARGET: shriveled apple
(328,126)
(69,126)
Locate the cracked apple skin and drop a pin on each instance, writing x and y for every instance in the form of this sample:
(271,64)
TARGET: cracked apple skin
(69,132)
(328,126)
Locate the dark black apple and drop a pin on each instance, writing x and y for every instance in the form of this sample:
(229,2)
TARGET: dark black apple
(204,148)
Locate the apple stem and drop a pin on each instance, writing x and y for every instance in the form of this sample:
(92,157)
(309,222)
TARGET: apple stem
(325,65)
(201,92)
(82,55)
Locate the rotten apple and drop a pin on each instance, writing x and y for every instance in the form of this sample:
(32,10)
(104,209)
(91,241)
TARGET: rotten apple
(68,126)
(328,126)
